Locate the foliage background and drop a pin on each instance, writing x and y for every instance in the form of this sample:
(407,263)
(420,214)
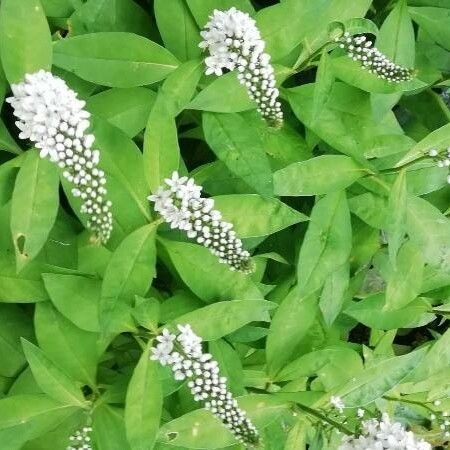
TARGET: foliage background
(347,220)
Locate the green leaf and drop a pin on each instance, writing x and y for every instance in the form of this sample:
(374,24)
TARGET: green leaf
(435,22)
(211,98)
(437,359)
(200,429)
(327,242)
(320,175)
(333,294)
(178,29)
(289,326)
(317,362)
(72,349)
(112,15)
(345,121)
(24,49)
(161,149)
(130,272)
(370,312)
(219,319)
(76,298)
(240,148)
(323,85)
(405,280)
(34,206)
(396,215)
(24,288)
(180,86)
(429,229)
(205,276)
(6,140)
(435,140)
(109,428)
(28,416)
(126,109)
(143,404)
(15,324)
(253,215)
(378,379)
(51,379)
(286,25)
(114,59)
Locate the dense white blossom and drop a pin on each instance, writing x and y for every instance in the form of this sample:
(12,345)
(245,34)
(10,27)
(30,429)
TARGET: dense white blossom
(442,159)
(52,117)
(234,43)
(359,48)
(383,435)
(182,206)
(80,440)
(184,354)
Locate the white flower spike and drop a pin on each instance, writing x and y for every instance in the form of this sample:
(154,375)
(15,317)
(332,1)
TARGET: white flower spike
(182,206)
(234,43)
(183,353)
(51,116)
(359,48)
(383,435)
(81,440)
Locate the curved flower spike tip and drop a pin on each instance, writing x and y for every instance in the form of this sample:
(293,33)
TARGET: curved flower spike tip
(383,434)
(183,353)
(51,116)
(234,43)
(359,48)
(442,159)
(182,206)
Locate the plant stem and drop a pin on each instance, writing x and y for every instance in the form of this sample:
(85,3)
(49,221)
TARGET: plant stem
(405,400)
(315,413)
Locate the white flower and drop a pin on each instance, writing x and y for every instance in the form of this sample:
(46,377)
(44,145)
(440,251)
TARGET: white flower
(184,209)
(383,435)
(360,49)
(80,440)
(337,403)
(51,116)
(442,159)
(360,413)
(162,353)
(204,381)
(234,43)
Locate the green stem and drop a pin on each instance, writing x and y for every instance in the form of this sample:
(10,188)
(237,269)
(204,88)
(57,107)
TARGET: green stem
(405,400)
(318,415)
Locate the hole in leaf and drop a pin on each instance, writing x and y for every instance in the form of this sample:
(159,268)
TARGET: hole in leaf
(172,435)
(20,242)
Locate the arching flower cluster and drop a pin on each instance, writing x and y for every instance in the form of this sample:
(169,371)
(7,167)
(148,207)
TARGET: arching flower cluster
(234,43)
(442,159)
(360,49)
(383,434)
(182,206)
(51,116)
(81,440)
(183,353)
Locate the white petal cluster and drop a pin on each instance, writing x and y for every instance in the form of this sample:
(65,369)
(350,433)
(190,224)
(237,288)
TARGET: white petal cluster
(51,116)
(80,440)
(183,353)
(234,43)
(360,49)
(383,435)
(182,206)
(337,403)
(442,159)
